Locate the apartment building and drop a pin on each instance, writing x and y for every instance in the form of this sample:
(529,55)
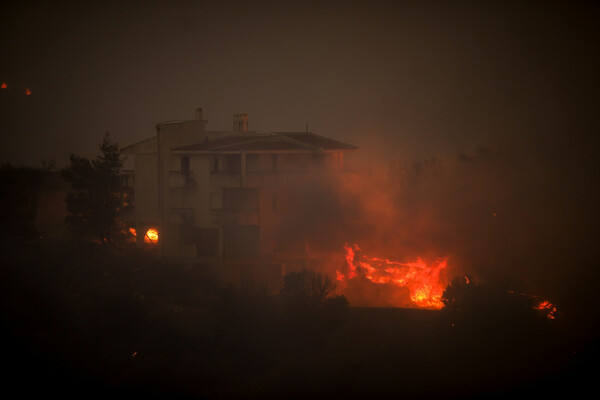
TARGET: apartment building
(226,198)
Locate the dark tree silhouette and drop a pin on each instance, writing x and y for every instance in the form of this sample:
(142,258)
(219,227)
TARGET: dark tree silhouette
(307,289)
(309,299)
(462,294)
(94,199)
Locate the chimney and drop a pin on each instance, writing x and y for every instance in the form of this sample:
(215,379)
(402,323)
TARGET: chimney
(240,122)
(198,114)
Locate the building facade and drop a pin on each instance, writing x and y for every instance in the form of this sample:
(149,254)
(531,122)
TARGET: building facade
(226,199)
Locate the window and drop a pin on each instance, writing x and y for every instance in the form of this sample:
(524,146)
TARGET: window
(207,242)
(240,199)
(259,163)
(241,241)
(185,164)
(293,162)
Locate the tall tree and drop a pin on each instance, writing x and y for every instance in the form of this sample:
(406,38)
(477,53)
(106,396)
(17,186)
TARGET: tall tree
(95,198)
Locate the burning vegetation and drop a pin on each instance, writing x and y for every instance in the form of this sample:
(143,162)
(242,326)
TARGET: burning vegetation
(424,282)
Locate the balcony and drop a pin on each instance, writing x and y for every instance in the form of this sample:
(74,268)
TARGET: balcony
(235,217)
(181,215)
(127,178)
(180,179)
(225,180)
(257,179)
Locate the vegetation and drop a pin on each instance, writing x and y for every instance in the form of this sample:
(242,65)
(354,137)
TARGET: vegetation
(95,197)
(80,317)
(116,320)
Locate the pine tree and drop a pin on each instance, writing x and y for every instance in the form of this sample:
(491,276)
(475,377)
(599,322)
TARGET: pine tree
(94,199)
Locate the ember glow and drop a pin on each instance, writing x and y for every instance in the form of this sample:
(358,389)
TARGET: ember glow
(423,281)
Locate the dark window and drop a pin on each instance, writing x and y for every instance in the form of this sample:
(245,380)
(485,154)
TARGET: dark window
(241,241)
(240,199)
(185,164)
(207,242)
(233,164)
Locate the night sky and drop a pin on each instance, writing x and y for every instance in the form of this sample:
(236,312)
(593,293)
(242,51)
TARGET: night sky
(402,79)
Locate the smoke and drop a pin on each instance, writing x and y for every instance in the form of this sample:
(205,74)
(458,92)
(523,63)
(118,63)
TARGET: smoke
(521,216)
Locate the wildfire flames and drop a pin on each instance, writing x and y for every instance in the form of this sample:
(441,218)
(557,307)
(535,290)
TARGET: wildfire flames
(423,281)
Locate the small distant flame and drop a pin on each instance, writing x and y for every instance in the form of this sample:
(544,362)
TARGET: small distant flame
(27,92)
(548,308)
(542,304)
(423,281)
(151,235)
(3,85)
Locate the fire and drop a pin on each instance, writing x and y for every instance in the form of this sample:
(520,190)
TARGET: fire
(423,281)
(151,235)
(27,92)
(541,304)
(548,308)
(3,85)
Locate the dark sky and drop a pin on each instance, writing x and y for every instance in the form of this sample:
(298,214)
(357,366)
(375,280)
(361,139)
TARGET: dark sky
(409,78)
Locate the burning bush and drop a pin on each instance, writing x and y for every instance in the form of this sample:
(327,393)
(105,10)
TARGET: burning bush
(422,282)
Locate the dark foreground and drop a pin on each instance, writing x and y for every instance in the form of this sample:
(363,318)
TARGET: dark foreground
(80,322)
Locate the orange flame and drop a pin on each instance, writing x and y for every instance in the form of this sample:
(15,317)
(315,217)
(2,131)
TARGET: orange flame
(151,235)
(548,308)
(3,85)
(423,281)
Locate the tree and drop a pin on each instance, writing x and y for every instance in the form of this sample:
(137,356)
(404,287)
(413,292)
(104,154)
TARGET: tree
(94,199)
(310,300)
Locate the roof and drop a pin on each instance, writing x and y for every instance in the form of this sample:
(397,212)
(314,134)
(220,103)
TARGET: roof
(269,142)
(147,146)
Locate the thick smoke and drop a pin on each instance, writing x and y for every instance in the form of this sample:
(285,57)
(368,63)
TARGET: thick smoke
(517,216)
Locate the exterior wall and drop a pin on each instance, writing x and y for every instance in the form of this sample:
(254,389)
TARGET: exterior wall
(224,207)
(172,206)
(146,189)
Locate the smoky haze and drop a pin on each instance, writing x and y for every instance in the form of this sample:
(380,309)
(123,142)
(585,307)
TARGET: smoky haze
(477,125)
(408,77)
(519,216)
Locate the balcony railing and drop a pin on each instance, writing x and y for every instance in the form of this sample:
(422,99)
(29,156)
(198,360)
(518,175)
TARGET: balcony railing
(225,180)
(127,178)
(235,217)
(256,179)
(181,215)
(180,178)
